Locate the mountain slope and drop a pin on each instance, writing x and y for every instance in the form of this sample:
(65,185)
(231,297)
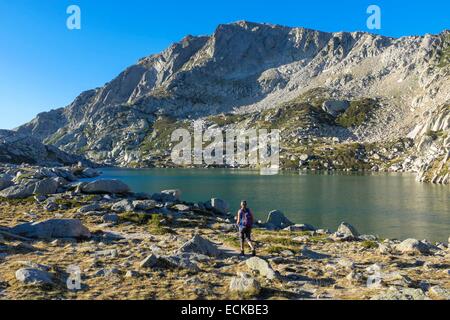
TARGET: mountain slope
(245,68)
(17,148)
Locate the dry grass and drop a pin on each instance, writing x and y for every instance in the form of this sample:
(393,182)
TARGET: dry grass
(324,277)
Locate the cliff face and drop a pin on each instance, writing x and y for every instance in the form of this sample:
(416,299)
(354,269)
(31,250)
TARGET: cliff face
(432,158)
(17,148)
(248,68)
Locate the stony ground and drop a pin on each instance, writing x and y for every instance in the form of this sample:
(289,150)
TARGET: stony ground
(305,264)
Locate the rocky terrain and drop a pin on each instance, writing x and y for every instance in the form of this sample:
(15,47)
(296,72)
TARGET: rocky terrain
(95,239)
(20,148)
(345,101)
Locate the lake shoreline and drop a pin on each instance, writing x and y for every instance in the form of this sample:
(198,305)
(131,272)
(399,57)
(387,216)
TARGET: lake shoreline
(160,247)
(395,205)
(141,245)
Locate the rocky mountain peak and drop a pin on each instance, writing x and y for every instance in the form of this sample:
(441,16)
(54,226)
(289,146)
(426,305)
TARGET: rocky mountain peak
(246,68)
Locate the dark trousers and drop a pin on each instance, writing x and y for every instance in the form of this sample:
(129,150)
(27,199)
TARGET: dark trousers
(245,233)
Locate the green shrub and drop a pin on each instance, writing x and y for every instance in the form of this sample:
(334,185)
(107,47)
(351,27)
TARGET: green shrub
(358,112)
(435,134)
(444,55)
(369,244)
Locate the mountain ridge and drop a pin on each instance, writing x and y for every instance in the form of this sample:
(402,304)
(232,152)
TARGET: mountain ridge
(246,68)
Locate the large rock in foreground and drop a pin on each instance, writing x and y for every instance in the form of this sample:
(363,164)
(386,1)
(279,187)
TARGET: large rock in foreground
(53,228)
(20,191)
(262,266)
(46,186)
(346,230)
(5,182)
(178,261)
(34,276)
(246,284)
(105,186)
(413,246)
(394,293)
(300,228)
(20,148)
(167,196)
(277,220)
(200,245)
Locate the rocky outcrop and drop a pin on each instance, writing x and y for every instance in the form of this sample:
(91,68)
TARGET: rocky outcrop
(413,246)
(300,228)
(18,191)
(245,284)
(105,186)
(432,158)
(346,232)
(46,186)
(18,148)
(262,267)
(34,276)
(53,228)
(5,182)
(200,245)
(335,107)
(19,182)
(276,219)
(167,196)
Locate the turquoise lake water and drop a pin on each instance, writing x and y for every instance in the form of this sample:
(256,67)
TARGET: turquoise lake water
(388,205)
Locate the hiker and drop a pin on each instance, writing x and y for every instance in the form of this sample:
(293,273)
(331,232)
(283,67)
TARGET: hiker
(245,223)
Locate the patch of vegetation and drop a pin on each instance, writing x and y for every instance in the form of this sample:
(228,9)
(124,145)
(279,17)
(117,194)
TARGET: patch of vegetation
(69,203)
(134,217)
(83,149)
(134,165)
(369,244)
(438,168)
(341,156)
(276,249)
(159,137)
(284,233)
(90,198)
(160,92)
(226,119)
(154,222)
(444,55)
(358,112)
(316,97)
(435,134)
(17,201)
(56,136)
(24,176)
(293,115)
(232,241)
(156,226)
(281,241)
(346,155)
(319,238)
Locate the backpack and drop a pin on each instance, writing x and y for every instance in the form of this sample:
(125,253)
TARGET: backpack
(246,218)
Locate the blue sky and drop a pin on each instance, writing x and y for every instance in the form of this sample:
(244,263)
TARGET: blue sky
(43,65)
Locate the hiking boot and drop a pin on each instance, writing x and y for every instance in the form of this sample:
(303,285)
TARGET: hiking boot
(254,253)
(242,253)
